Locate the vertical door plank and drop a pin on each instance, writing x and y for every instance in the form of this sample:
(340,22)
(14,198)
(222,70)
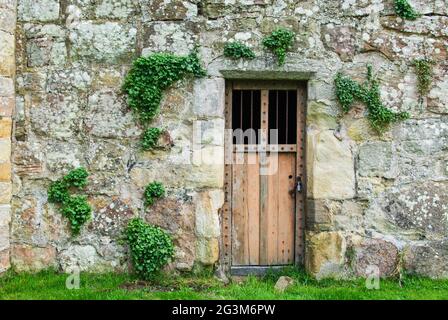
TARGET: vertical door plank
(253,210)
(272,209)
(286,210)
(240,246)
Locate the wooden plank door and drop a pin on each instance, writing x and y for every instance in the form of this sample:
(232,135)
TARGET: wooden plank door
(264,175)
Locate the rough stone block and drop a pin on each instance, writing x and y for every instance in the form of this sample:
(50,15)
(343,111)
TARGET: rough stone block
(361,7)
(376,253)
(78,257)
(322,114)
(173,37)
(8,20)
(433,25)
(376,160)
(62,156)
(419,207)
(428,259)
(69,79)
(437,97)
(32,259)
(331,168)
(116,9)
(320,213)
(422,129)
(157,10)
(44,52)
(108,116)
(57,116)
(209,97)
(396,46)
(110,217)
(107,42)
(341,39)
(350,217)
(42,10)
(27,159)
(325,254)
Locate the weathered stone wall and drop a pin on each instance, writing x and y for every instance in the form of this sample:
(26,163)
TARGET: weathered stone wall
(7,74)
(372,200)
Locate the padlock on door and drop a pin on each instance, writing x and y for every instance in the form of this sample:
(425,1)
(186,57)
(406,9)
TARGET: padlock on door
(299,186)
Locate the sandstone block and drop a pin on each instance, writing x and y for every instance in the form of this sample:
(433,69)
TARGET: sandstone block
(7,56)
(5,192)
(207,218)
(5,127)
(331,168)
(207,251)
(325,254)
(5,171)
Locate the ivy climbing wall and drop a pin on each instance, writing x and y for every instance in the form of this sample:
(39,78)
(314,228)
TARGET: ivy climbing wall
(378,200)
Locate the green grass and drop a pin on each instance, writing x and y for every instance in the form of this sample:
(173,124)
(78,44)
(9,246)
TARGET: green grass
(51,285)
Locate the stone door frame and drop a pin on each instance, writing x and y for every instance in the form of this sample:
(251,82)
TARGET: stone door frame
(225,259)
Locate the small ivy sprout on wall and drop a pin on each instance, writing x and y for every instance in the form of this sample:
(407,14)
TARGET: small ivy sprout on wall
(404,10)
(74,207)
(238,50)
(154,190)
(150,138)
(348,91)
(279,42)
(424,71)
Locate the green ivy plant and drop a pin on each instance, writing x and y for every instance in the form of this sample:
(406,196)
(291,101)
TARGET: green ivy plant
(150,138)
(74,207)
(151,247)
(424,71)
(151,75)
(237,50)
(153,191)
(279,42)
(404,10)
(348,91)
